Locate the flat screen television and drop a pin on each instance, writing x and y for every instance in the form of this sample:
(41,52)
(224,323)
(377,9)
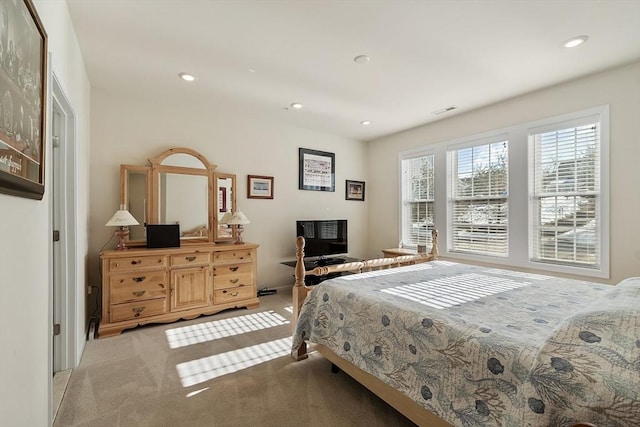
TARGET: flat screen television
(323,237)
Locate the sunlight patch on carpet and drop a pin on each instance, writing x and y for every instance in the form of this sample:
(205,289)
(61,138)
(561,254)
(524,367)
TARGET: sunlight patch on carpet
(205,369)
(217,329)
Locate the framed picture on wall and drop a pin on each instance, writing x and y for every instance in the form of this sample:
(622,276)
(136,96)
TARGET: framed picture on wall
(23,77)
(354,190)
(317,170)
(259,187)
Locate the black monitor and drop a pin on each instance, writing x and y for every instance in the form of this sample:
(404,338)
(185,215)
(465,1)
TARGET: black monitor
(323,237)
(163,235)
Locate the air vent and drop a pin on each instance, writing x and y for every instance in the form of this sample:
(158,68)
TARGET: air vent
(444,110)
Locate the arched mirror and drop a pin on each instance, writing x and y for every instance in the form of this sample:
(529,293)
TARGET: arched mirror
(179,187)
(181,180)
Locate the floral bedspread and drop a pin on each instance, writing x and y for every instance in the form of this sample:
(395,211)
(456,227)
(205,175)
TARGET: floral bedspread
(488,347)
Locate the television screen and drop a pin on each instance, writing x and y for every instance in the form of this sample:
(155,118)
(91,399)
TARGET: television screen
(323,237)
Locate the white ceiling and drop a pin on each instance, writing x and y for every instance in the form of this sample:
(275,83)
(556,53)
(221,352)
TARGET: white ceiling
(425,55)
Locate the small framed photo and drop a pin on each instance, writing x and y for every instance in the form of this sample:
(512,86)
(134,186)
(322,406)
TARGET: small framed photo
(354,190)
(259,187)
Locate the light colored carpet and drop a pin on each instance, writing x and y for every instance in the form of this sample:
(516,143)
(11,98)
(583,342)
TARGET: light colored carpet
(215,371)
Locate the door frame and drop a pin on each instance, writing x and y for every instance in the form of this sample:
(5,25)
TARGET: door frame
(65,294)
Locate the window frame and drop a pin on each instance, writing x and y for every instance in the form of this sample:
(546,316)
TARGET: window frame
(402,230)
(601,193)
(452,154)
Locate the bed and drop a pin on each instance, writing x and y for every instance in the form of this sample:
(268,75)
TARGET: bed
(454,344)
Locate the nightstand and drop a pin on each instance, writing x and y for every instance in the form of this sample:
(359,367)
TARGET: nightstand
(394,252)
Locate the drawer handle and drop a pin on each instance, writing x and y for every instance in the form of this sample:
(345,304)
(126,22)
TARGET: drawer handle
(139,279)
(135,262)
(234,268)
(138,310)
(138,293)
(233,294)
(234,280)
(190,258)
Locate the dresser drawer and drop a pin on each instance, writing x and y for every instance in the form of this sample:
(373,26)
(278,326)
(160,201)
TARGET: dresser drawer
(233,294)
(225,257)
(232,276)
(137,262)
(195,258)
(138,286)
(138,310)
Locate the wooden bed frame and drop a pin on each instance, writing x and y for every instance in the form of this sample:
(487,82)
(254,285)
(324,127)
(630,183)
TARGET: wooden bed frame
(396,399)
(393,397)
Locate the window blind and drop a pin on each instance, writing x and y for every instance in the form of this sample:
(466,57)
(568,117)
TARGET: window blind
(566,196)
(418,200)
(478,215)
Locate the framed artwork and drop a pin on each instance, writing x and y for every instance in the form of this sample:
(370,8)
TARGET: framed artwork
(259,187)
(317,170)
(222,199)
(354,190)
(23,77)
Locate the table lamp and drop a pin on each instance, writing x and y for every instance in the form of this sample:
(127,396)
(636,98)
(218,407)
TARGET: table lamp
(225,221)
(238,219)
(121,219)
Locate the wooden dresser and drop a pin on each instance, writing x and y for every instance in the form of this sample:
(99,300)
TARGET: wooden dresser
(141,286)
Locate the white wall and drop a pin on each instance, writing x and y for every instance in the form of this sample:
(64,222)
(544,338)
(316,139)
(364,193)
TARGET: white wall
(25,253)
(620,88)
(129,131)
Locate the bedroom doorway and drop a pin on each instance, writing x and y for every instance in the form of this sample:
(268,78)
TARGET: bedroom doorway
(64,294)
(63,172)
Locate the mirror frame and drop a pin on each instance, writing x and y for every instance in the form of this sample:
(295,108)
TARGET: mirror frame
(125,170)
(153,179)
(157,168)
(232,208)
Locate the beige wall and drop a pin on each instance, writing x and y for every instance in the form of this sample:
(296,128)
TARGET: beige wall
(127,130)
(25,251)
(620,88)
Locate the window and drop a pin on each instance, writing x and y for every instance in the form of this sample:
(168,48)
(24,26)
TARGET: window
(417,200)
(479,199)
(566,195)
(533,195)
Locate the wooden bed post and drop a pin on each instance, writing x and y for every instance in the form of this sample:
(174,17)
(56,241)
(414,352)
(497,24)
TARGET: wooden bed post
(299,293)
(434,243)
(300,290)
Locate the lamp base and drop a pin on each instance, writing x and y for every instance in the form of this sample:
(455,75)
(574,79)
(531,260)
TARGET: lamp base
(239,240)
(122,233)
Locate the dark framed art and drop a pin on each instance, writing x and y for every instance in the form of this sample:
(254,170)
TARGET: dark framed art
(259,187)
(317,170)
(354,190)
(23,77)
(222,199)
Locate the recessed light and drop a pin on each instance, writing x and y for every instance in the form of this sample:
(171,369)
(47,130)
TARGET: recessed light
(296,105)
(365,123)
(575,41)
(251,70)
(186,77)
(361,59)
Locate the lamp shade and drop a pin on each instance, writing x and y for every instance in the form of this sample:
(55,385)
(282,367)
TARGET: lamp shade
(121,218)
(238,218)
(225,218)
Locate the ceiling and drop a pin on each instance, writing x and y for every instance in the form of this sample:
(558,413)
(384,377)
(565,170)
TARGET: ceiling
(253,58)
